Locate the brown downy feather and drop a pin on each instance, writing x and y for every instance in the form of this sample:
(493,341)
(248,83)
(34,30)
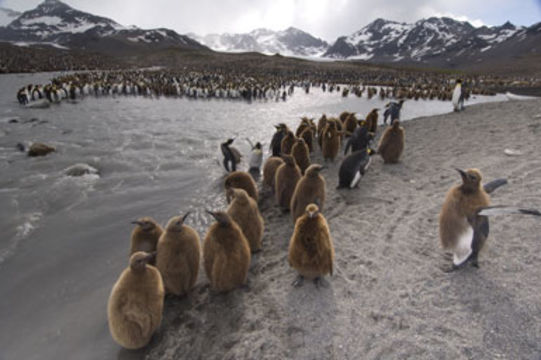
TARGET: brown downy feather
(311,250)
(391,143)
(287,176)
(244,211)
(242,180)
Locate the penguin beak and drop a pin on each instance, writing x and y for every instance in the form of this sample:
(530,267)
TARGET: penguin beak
(185,216)
(213,214)
(461,172)
(137,222)
(150,257)
(312,214)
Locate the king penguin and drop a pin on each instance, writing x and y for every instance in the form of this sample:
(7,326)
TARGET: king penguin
(463,220)
(353,168)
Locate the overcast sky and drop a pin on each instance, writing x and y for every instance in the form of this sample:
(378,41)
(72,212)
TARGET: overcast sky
(327,19)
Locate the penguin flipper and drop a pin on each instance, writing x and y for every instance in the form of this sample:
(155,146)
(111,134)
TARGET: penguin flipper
(504,210)
(493,185)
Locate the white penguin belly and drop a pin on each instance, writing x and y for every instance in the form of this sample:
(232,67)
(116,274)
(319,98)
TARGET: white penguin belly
(463,248)
(355,180)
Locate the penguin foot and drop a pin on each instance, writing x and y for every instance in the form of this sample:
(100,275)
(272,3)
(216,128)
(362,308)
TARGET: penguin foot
(320,282)
(298,281)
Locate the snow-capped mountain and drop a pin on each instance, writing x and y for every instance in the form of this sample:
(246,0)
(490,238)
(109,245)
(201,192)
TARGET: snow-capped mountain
(426,41)
(54,22)
(289,42)
(7,16)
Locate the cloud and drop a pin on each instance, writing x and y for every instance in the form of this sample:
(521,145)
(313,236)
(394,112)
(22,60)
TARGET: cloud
(327,19)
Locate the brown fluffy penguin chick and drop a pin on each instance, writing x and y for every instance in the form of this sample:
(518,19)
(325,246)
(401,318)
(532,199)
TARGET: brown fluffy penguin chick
(459,213)
(178,258)
(330,141)
(343,116)
(372,121)
(134,309)
(322,122)
(269,170)
(226,253)
(305,123)
(391,144)
(310,189)
(242,180)
(287,143)
(287,176)
(244,211)
(308,136)
(145,235)
(311,250)
(301,154)
(350,124)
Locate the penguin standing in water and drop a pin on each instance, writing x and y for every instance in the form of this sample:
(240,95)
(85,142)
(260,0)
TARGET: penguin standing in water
(353,168)
(231,155)
(256,159)
(393,110)
(463,220)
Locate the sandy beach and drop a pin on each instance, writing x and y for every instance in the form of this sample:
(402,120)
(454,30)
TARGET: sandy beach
(389,298)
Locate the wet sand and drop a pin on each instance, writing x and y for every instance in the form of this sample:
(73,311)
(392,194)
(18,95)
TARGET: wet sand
(389,297)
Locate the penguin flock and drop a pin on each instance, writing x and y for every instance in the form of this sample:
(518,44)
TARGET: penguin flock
(249,87)
(167,260)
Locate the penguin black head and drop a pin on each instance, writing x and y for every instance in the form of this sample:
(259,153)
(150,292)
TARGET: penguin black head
(471,179)
(230,141)
(139,260)
(312,210)
(258,145)
(145,223)
(221,217)
(459,81)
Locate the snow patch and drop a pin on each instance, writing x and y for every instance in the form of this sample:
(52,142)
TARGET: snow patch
(46,20)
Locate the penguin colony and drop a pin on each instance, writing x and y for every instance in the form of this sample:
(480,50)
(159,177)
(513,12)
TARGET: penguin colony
(248,87)
(136,302)
(167,260)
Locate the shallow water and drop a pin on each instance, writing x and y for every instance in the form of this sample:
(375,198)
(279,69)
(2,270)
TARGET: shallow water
(65,240)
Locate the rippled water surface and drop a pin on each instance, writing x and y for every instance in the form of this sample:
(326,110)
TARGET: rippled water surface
(65,240)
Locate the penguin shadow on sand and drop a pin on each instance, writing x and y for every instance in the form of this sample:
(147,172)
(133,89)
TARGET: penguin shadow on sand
(311,314)
(508,328)
(125,354)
